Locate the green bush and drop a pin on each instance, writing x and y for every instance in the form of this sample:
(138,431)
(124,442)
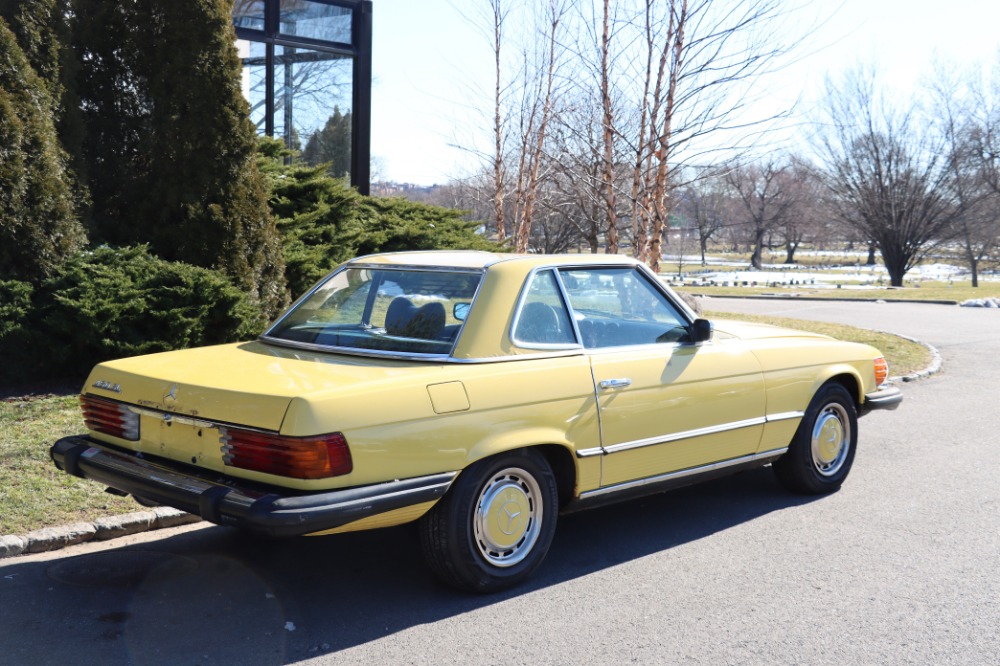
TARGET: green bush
(324,222)
(167,147)
(15,306)
(112,303)
(38,224)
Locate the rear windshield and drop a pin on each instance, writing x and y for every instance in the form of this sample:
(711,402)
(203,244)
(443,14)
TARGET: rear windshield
(410,311)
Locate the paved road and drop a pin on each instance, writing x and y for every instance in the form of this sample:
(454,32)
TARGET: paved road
(902,566)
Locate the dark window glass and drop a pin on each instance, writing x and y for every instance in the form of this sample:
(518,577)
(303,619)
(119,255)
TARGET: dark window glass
(382,310)
(316,20)
(543,319)
(248,14)
(619,306)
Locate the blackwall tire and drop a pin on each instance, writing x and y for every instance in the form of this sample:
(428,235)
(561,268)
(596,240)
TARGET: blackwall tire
(495,525)
(822,451)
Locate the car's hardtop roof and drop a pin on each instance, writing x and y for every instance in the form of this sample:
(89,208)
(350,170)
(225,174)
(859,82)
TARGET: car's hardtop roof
(474,259)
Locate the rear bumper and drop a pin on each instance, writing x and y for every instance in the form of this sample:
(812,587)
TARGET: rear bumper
(886,398)
(226,501)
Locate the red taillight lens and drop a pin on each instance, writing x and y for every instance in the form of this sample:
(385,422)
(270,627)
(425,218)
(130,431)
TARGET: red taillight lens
(110,417)
(297,457)
(881,371)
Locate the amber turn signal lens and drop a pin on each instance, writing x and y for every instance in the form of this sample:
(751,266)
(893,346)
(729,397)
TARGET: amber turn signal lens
(317,457)
(881,371)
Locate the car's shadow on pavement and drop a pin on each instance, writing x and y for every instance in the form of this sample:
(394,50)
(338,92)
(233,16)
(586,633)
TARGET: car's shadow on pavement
(218,596)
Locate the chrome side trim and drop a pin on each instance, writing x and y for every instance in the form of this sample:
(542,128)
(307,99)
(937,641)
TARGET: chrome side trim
(352,351)
(687,434)
(785,416)
(693,471)
(426,358)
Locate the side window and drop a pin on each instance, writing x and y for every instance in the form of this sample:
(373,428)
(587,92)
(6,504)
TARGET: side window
(618,306)
(543,318)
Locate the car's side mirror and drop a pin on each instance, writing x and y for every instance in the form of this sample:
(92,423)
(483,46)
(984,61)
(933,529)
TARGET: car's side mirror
(461,311)
(701,330)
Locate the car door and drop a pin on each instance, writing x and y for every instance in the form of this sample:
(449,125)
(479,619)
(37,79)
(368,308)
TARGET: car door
(664,404)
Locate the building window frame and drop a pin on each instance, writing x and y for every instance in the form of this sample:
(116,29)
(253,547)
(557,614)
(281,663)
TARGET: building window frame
(360,52)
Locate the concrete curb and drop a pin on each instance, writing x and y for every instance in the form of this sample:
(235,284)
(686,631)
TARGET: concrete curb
(931,369)
(102,529)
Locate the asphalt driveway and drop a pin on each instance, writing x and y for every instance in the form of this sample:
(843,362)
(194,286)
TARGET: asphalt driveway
(902,566)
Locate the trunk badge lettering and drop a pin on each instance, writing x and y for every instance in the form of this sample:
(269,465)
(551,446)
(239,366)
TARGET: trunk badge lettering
(107,386)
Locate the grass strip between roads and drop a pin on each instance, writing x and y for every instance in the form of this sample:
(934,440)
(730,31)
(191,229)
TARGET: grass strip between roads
(929,291)
(34,494)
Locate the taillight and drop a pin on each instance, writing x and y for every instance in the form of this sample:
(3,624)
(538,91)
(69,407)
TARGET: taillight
(110,417)
(881,370)
(297,457)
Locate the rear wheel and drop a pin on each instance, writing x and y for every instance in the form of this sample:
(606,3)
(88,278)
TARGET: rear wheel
(822,451)
(495,525)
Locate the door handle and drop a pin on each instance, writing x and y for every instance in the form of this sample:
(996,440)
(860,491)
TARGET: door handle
(615,383)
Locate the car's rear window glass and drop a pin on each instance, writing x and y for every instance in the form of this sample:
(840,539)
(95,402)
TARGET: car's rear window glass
(392,310)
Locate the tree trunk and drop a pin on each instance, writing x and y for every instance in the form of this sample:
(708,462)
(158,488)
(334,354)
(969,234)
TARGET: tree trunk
(790,252)
(608,159)
(974,267)
(871,255)
(498,184)
(758,250)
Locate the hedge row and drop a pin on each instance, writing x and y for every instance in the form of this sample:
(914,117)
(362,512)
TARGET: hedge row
(111,303)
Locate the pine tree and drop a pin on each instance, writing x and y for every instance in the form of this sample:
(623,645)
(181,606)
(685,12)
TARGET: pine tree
(168,145)
(332,144)
(38,225)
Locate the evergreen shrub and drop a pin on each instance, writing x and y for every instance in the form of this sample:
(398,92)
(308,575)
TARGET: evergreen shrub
(112,303)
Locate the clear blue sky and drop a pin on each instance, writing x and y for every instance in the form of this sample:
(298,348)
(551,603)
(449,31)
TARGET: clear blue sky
(427,61)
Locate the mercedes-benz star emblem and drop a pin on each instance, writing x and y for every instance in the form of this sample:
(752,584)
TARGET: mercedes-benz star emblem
(172,393)
(512,517)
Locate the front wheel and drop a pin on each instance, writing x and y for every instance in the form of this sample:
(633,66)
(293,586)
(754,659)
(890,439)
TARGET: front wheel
(822,450)
(495,525)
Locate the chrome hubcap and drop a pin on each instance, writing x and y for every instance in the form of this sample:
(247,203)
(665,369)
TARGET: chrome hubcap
(508,517)
(831,439)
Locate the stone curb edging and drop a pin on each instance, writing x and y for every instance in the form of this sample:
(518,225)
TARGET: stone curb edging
(931,369)
(102,529)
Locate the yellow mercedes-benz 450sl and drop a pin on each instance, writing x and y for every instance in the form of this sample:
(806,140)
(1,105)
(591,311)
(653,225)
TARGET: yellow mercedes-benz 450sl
(481,394)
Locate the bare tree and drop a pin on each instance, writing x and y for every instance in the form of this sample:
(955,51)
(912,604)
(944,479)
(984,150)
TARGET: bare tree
(766,201)
(676,81)
(970,116)
(653,88)
(523,108)
(807,217)
(885,172)
(705,203)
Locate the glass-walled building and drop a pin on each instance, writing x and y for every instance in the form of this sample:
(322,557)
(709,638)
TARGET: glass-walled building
(307,76)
